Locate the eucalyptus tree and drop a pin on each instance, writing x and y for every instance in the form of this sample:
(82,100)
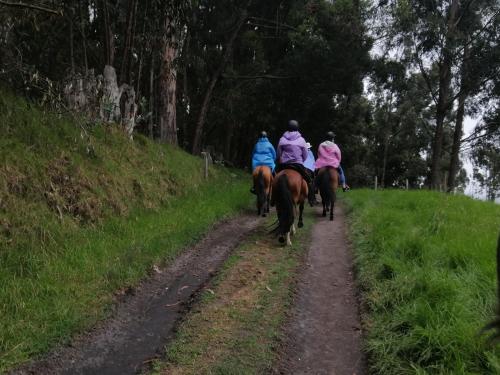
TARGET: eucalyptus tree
(439,36)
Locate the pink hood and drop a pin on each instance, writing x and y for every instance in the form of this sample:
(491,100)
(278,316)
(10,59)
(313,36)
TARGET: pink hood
(328,155)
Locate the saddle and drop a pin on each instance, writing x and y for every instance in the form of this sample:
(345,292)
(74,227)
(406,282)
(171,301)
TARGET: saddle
(299,168)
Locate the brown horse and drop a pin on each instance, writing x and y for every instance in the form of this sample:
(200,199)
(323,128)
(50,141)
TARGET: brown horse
(327,181)
(262,182)
(289,191)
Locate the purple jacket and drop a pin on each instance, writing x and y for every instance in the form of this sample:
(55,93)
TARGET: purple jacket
(292,148)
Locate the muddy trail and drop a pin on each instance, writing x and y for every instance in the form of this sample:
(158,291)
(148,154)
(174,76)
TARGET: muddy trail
(322,336)
(146,319)
(324,332)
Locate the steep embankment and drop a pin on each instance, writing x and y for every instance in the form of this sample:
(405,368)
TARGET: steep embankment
(426,269)
(85,213)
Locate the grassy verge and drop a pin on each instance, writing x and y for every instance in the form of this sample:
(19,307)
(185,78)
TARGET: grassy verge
(84,213)
(236,327)
(426,269)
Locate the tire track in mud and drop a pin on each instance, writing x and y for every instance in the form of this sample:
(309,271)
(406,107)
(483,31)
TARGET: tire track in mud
(146,320)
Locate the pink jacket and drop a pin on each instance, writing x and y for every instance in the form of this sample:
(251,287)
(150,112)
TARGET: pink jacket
(328,155)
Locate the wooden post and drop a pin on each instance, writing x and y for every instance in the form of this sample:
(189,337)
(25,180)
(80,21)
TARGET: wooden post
(407,185)
(205,156)
(376,182)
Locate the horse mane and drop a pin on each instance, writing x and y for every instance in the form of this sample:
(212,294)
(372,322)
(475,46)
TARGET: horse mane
(284,206)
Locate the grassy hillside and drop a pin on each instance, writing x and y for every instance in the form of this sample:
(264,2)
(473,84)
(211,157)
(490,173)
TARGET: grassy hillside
(84,213)
(426,269)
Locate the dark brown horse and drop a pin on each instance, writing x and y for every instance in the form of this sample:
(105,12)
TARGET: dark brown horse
(327,181)
(262,182)
(289,192)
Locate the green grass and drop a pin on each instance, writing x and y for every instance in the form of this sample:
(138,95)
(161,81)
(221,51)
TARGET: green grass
(236,329)
(85,213)
(426,269)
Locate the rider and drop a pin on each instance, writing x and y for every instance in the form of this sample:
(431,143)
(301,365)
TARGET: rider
(263,154)
(329,155)
(292,151)
(309,165)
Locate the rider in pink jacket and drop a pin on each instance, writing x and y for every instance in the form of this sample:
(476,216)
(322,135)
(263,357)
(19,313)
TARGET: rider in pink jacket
(328,155)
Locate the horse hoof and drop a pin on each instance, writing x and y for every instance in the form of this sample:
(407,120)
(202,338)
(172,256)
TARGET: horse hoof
(331,219)
(300,224)
(264,215)
(281,239)
(323,214)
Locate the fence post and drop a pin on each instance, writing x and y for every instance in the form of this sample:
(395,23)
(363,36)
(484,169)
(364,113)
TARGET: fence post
(205,157)
(407,185)
(376,182)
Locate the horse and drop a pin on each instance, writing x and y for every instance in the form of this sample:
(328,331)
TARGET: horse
(262,181)
(327,181)
(289,191)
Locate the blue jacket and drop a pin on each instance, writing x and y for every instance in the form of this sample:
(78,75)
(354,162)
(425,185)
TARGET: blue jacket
(309,162)
(263,154)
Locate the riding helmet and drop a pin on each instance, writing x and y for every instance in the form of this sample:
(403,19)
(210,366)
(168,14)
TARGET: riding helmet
(293,125)
(330,135)
(263,134)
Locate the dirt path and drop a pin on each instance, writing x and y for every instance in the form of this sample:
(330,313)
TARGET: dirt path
(144,322)
(324,336)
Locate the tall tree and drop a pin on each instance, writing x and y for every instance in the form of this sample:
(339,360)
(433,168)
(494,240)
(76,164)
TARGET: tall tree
(228,48)
(171,45)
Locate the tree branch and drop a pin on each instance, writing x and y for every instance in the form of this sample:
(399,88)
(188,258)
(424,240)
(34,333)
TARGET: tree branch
(265,76)
(30,6)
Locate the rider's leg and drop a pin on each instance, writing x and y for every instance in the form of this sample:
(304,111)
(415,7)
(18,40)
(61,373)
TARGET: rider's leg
(342,179)
(311,197)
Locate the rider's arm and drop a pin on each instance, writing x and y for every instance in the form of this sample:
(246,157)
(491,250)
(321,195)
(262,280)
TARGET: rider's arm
(273,151)
(304,153)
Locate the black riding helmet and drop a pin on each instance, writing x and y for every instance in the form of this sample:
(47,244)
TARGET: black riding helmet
(293,125)
(330,135)
(263,134)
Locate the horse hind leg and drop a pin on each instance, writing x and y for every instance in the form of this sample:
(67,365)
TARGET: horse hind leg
(324,209)
(288,242)
(300,224)
(332,206)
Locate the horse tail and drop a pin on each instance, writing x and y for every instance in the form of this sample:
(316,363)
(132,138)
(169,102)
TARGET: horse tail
(325,187)
(284,205)
(260,189)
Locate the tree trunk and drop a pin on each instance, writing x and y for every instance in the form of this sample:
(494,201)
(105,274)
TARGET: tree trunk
(208,94)
(109,45)
(457,134)
(82,31)
(141,54)
(384,161)
(71,44)
(151,95)
(443,103)
(168,82)
(129,31)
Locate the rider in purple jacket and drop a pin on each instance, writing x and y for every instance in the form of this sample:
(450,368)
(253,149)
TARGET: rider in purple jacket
(292,151)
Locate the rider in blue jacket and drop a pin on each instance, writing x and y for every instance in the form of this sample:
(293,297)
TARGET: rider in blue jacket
(263,154)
